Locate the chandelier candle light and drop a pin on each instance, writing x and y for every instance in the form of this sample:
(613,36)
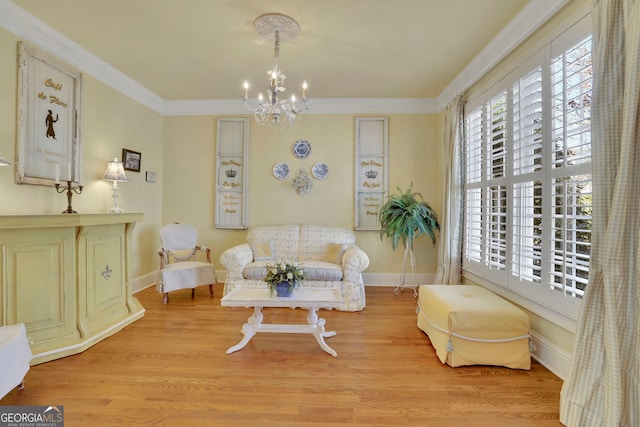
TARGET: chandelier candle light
(115,173)
(271,110)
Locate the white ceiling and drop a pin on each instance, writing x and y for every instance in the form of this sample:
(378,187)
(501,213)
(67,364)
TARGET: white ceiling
(205,49)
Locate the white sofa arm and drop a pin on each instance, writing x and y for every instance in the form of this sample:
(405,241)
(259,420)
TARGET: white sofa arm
(235,260)
(354,262)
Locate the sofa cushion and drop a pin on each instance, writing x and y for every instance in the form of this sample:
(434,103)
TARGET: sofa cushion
(334,253)
(256,270)
(283,240)
(313,270)
(262,251)
(316,239)
(319,270)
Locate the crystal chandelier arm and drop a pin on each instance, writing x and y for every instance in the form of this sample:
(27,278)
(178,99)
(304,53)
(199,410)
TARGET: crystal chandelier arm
(271,110)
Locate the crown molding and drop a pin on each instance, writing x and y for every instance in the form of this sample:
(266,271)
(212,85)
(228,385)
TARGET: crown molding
(531,17)
(28,27)
(33,30)
(318,106)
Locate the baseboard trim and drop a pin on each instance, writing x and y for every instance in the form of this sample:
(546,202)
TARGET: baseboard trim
(393,279)
(549,355)
(143,282)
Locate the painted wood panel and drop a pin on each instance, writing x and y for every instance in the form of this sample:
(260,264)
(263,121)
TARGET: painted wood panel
(66,277)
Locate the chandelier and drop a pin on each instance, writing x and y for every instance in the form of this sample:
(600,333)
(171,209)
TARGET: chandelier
(272,110)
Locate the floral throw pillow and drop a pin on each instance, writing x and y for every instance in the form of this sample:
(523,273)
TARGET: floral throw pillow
(262,251)
(334,252)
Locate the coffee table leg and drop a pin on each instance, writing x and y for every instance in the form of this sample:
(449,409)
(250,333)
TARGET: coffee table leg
(248,329)
(317,327)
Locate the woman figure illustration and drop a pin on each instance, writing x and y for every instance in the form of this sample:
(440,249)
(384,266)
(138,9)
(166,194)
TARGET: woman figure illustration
(49,121)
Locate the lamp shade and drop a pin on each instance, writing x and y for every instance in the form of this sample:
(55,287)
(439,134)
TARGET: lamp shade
(115,172)
(3,162)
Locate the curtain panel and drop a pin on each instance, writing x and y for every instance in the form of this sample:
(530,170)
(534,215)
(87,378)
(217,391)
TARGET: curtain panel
(450,247)
(602,388)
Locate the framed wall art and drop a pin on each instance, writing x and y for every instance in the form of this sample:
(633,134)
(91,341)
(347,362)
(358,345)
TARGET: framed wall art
(49,119)
(131,160)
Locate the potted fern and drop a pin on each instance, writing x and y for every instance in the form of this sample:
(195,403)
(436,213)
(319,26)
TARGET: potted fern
(405,217)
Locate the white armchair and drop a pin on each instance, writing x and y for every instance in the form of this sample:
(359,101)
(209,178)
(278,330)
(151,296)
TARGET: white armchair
(179,267)
(15,355)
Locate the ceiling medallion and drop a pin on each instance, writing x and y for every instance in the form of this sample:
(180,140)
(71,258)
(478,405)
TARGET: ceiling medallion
(271,110)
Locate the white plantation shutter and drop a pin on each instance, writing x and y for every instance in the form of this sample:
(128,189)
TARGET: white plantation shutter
(473,219)
(496,200)
(497,141)
(571,85)
(527,123)
(527,172)
(526,198)
(496,231)
(472,243)
(571,236)
(475,140)
(527,237)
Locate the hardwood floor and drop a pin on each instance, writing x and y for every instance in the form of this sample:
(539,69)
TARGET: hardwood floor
(170,369)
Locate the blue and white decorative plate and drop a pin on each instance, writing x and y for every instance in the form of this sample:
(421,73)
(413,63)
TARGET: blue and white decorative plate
(301,148)
(281,170)
(320,170)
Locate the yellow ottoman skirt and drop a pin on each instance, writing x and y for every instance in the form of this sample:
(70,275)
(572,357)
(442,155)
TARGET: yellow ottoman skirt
(469,325)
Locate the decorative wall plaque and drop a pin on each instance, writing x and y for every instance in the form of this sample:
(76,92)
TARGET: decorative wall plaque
(371,170)
(49,119)
(231,184)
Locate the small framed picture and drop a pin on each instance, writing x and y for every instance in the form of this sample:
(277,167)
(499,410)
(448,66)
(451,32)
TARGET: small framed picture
(131,160)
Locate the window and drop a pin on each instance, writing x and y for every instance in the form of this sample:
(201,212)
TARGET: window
(527,157)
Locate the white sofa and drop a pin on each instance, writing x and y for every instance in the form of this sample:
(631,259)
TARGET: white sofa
(329,257)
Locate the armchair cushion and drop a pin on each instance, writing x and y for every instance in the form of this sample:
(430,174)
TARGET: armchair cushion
(193,273)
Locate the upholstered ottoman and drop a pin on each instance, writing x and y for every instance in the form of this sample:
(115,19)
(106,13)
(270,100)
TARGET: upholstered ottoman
(15,355)
(469,325)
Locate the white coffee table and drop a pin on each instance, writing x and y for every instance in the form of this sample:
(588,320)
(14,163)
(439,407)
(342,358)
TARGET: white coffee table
(309,298)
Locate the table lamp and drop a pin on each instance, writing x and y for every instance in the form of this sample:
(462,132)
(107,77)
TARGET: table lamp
(115,173)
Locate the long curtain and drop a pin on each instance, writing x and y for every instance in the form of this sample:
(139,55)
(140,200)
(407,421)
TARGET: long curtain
(602,388)
(449,249)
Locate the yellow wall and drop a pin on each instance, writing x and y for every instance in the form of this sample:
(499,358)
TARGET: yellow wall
(111,121)
(189,178)
(181,150)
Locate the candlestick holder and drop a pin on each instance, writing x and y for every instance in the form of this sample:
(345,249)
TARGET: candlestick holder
(70,190)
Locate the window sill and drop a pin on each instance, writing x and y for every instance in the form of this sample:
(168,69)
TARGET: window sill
(546,313)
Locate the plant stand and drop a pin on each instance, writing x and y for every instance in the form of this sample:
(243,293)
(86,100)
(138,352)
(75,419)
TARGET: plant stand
(408,253)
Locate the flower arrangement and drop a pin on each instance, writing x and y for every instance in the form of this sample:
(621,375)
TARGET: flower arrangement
(284,271)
